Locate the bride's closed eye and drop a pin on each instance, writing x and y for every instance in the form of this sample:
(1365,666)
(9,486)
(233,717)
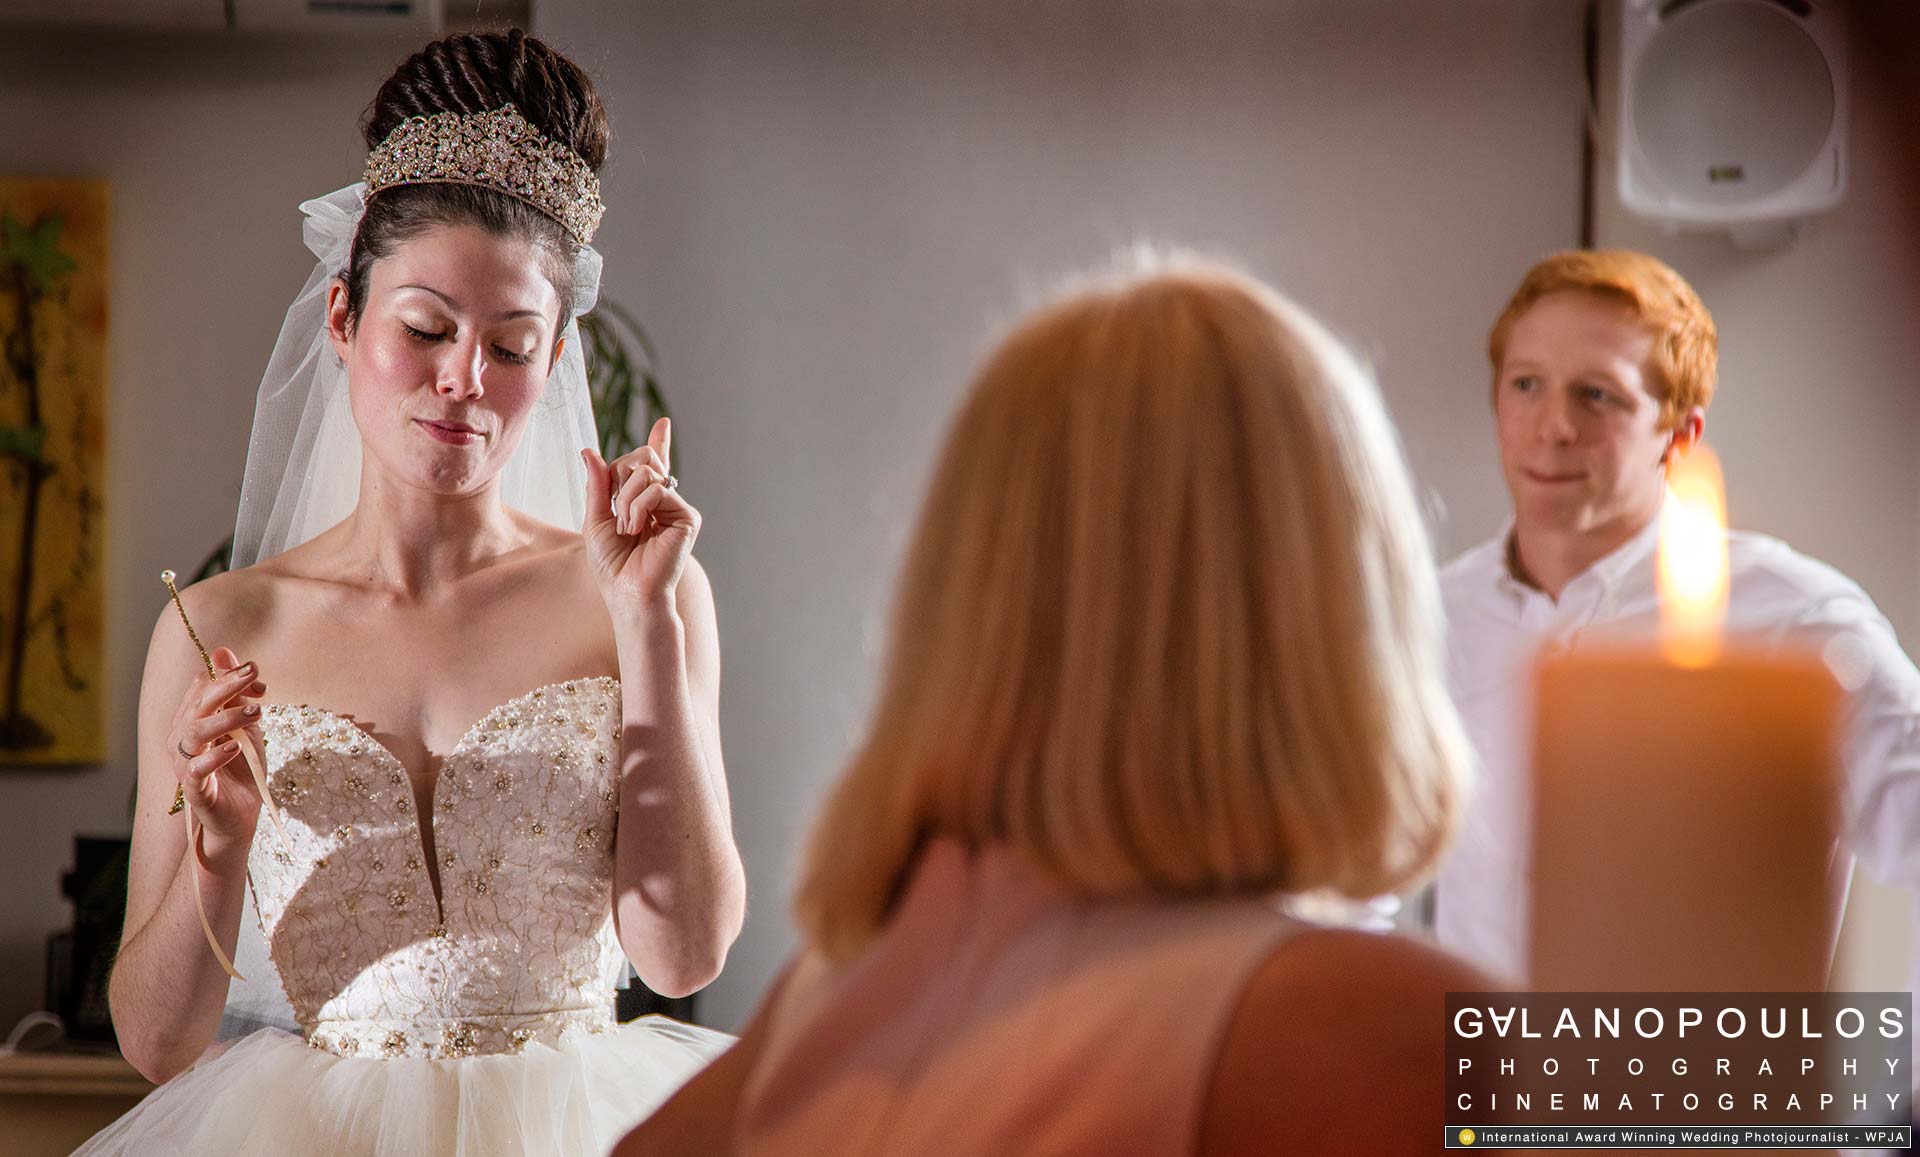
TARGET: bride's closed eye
(511,357)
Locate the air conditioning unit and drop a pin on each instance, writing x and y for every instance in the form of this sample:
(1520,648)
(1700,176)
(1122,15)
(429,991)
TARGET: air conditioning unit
(420,18)
(205,15)
(1732,114)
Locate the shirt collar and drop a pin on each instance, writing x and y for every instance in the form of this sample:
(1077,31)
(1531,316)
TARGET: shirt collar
(1609,571)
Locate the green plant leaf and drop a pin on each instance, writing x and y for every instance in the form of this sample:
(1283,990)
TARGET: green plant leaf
(616,378)
(23,442)
(36,249)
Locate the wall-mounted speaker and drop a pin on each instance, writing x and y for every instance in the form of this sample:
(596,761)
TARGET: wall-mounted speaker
(1732,113)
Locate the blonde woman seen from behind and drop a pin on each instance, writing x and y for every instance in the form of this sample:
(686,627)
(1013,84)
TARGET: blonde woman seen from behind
(1165,650)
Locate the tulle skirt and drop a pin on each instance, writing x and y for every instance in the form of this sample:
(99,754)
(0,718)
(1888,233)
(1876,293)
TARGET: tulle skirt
(272,1095)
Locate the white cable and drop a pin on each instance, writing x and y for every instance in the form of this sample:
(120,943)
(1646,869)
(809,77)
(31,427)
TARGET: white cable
(27,1024)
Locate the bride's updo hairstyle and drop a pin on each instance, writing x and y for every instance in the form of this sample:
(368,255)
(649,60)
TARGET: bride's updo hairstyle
(477,73)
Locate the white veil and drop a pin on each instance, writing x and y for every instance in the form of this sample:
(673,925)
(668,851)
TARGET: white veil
(303,463)
(303,476)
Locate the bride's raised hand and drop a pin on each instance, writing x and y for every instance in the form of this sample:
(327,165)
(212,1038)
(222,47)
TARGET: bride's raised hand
(212,772)
(639,530)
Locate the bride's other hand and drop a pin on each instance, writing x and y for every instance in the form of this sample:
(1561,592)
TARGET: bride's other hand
(639,530)
(212,773)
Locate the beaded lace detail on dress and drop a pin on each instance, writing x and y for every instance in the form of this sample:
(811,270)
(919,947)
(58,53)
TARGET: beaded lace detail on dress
(521,948)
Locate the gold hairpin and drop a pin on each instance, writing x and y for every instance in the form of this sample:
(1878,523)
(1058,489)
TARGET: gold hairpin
(167,576)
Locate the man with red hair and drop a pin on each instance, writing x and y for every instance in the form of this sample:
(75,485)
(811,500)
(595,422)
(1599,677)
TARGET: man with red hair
(1603,369)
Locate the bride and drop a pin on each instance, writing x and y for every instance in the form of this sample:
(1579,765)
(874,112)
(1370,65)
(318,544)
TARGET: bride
(453,698)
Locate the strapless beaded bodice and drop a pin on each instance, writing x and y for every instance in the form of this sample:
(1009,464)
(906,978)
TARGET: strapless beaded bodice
(521,946)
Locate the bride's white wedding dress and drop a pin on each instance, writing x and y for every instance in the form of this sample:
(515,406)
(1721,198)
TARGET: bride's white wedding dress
(478,1025)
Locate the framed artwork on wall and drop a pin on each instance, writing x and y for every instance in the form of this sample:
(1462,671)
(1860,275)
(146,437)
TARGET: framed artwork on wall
(53,362)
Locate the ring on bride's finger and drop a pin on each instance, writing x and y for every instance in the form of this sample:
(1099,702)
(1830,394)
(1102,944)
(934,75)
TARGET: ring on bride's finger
(671,483)
(184,753)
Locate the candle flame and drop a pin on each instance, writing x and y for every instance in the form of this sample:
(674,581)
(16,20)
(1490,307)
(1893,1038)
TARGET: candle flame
(1693,560)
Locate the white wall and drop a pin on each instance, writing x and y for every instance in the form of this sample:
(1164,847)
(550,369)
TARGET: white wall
(209,144)
(822,211)
(1817,417)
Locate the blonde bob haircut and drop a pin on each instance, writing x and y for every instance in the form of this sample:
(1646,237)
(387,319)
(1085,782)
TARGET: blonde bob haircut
(1168,623)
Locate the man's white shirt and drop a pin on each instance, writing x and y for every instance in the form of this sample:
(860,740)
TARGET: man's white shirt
(1496,626)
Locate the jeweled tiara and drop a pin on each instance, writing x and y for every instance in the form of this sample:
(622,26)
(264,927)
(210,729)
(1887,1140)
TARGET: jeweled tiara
(495,150)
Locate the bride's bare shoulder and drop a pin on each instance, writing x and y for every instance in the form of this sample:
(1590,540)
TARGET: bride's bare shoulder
(224,610)
(546,538)
(230,609)
(555,546)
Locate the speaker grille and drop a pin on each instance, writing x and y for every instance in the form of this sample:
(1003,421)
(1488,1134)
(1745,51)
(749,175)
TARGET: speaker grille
(1732,102)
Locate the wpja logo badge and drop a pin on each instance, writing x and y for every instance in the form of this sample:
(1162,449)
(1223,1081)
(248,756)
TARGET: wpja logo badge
(1687,1070)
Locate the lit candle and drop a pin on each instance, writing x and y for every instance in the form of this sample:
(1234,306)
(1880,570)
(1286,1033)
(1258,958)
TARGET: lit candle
(1683,808)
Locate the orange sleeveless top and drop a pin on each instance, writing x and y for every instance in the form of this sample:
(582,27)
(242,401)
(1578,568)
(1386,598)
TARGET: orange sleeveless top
(996,1014)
